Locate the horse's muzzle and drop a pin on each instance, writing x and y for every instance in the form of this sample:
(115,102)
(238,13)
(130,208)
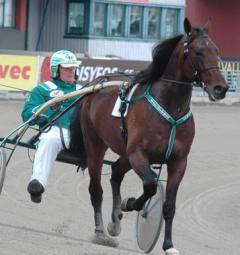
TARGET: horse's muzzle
(219,92)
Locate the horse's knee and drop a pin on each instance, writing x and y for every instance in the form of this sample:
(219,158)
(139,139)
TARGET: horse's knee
(168,210)
(150,188)
(95,194)
(169,204)
(116,178)
(117,172)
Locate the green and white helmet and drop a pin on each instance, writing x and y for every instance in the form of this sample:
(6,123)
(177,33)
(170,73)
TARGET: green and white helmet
(64,58)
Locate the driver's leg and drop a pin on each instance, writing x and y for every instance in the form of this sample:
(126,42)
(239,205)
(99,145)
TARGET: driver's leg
(49,146)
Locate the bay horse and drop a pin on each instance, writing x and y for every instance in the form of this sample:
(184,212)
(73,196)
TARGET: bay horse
(161,106)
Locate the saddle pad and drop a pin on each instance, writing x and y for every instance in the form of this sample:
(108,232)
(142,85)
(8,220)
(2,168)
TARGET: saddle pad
(116,112)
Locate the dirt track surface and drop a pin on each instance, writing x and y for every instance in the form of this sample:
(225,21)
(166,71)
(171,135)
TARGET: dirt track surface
(208,208)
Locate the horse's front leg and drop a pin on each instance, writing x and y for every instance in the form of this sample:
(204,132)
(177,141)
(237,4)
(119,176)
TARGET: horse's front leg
(176,172)
(140,163)
(119,168)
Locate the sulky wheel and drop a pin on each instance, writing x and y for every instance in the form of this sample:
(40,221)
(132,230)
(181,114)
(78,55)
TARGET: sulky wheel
(149,221)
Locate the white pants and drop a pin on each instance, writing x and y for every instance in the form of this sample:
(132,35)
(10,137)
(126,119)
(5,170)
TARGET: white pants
(49,146)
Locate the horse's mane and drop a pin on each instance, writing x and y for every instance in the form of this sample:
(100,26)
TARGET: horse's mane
(160,55)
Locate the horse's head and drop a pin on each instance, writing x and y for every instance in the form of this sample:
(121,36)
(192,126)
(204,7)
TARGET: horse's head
(201,62)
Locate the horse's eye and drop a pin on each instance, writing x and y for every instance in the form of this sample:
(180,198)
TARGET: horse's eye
(199,53)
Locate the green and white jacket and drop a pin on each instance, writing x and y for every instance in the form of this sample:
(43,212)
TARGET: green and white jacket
(44,92)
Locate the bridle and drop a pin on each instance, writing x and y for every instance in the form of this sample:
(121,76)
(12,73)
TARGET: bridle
(197,81)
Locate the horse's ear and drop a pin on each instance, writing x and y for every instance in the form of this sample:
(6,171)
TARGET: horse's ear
(187,26)
(207,25)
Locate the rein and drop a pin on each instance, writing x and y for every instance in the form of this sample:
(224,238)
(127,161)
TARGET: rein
(179,82)
(23,90)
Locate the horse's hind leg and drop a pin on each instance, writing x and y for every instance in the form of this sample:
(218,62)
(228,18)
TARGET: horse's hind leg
(96,192)
(119,168)
(95,160)
(140,163)
(175,174)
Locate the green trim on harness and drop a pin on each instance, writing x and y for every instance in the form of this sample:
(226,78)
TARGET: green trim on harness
(165,114)
(135,99)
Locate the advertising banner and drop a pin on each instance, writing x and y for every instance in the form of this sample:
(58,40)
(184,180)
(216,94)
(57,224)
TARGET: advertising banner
(231,72)
(18,72)
(90,69)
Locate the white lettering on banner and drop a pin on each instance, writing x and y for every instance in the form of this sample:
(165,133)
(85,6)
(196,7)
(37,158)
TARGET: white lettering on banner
(229,66)
(89,73)
(129,71)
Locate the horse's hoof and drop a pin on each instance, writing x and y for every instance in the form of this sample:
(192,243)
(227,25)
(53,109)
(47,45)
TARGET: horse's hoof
(126,205)
(114,229)
(103,239)
(171,251)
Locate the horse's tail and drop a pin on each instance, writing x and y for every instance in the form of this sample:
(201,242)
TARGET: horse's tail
(76,145)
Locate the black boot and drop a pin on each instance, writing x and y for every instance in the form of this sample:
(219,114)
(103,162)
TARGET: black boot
(35,189)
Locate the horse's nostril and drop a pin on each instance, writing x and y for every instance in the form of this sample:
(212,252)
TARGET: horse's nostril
(219,90)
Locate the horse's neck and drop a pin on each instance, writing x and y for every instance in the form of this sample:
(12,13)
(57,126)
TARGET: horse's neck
(173,96)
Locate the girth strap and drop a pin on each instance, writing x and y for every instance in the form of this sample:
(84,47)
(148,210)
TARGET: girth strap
(124,91)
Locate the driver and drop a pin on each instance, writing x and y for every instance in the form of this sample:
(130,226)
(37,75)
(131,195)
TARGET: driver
(63,65)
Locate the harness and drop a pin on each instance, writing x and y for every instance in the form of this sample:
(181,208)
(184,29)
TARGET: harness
(197,73)
(169,118)
(123,93)
(174,123)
